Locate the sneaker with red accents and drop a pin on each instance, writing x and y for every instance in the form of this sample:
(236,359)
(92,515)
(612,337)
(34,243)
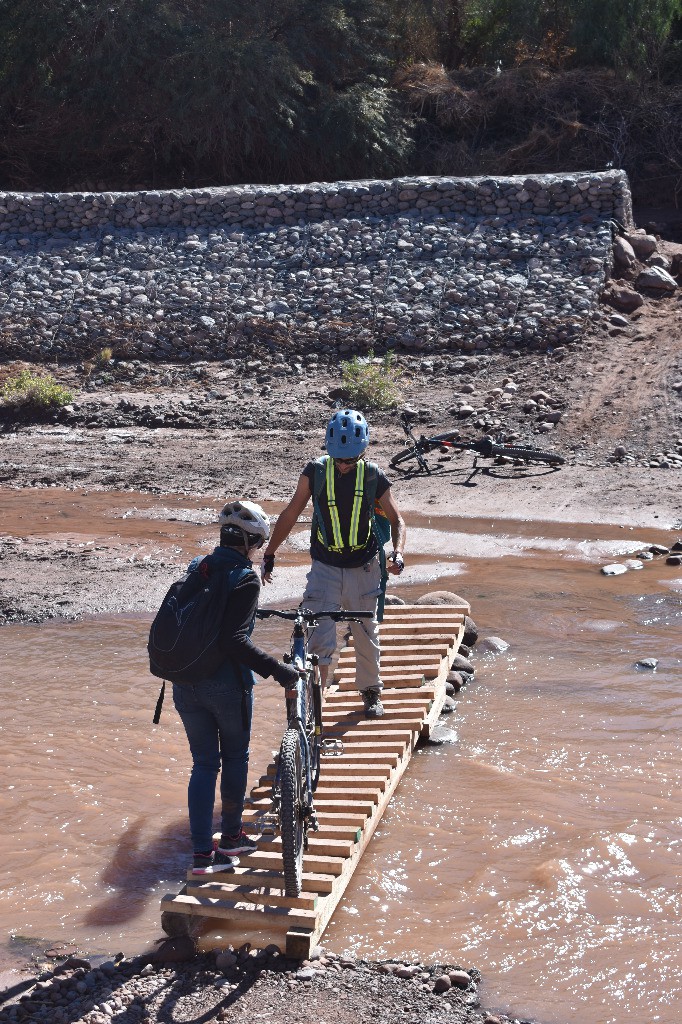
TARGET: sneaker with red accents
(210,863)
(230,846)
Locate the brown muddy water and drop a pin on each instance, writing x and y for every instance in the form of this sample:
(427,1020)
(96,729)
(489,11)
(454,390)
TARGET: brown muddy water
(543,845)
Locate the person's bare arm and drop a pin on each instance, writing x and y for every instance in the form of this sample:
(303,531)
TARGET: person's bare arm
(285,524)
(398,531)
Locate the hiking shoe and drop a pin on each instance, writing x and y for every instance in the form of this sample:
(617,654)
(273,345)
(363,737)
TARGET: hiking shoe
(229,846)
(211,863)
(373,706)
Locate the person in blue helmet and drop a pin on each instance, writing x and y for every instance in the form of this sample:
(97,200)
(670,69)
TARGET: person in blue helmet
(348,494)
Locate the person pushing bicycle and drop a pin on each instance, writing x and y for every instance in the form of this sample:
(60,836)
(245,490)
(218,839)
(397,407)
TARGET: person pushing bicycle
(216,711)
(350,496)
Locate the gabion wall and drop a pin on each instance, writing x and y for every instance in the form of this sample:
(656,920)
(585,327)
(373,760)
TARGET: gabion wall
(425,263)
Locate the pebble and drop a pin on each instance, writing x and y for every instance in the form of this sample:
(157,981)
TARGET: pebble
(196,271)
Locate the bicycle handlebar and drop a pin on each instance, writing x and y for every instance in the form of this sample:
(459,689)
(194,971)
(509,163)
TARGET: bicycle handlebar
(308,616)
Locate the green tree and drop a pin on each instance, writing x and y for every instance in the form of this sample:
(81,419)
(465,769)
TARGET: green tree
(213,90)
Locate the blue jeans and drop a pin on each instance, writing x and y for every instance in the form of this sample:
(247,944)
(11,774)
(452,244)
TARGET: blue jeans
(213,714)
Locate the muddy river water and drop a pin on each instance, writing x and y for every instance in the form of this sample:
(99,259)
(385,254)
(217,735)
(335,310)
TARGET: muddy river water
(544,844)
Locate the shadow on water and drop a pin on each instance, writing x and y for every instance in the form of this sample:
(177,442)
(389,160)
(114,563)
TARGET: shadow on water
(136,867)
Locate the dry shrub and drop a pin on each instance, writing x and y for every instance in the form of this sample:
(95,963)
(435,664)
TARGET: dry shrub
(532,119)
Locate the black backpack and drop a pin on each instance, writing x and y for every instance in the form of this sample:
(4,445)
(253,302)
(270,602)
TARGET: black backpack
(185,643)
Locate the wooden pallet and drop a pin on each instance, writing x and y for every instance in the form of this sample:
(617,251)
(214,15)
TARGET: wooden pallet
(418,645)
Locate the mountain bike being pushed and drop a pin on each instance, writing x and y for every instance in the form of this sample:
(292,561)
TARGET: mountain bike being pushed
(298,762)
(485,447)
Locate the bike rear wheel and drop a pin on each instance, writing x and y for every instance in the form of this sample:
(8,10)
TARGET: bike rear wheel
(528,454)
(291,811)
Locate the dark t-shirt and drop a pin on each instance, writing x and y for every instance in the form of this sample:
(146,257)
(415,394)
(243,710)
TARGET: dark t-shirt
(344,489)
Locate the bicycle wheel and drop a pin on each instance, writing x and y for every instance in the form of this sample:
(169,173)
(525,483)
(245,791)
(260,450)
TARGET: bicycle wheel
(412,453)
(291,819)
(528,454)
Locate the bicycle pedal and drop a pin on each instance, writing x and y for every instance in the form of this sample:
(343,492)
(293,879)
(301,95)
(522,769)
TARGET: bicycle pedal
(266,824)
(331,747)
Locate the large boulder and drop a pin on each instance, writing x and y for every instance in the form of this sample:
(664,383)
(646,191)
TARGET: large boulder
(437,597)
(642,244)
(622,298)
(624,254)
(656,279)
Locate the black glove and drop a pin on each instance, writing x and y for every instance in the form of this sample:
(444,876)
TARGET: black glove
(287,676)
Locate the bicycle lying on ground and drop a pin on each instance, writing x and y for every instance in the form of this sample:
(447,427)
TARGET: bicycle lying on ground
(298,762)
(484,447)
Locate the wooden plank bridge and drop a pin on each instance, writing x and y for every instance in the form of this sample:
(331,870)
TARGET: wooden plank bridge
(418,645)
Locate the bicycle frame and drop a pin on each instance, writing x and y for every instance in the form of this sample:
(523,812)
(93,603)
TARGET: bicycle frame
(298,707)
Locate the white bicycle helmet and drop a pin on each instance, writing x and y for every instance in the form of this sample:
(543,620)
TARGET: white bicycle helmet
(247,518)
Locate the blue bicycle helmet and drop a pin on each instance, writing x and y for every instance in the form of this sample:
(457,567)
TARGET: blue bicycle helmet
(347,434)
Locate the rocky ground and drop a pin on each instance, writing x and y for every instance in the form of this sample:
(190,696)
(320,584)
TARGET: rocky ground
(246,985)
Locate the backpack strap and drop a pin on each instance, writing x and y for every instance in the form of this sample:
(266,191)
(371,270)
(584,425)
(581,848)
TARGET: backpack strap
(319,479)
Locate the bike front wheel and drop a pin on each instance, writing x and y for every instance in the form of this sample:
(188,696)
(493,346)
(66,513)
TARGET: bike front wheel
(412,453)
(291,816)
(527,454)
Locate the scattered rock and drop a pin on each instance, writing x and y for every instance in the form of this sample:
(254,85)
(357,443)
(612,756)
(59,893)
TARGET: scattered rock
(656,279)
(674,560)
(643,245)
(492,645)
(461,664)
(633,563)
(442,984)
(623,253)
(393,599)
(454,683)
(677,546)
(441,597)
(470,635)
(460,978)
(623,298)
(615,569)
(647,663)
(441,735)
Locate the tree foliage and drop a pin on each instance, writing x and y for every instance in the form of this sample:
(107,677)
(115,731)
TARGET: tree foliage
(144,93)
(212,90)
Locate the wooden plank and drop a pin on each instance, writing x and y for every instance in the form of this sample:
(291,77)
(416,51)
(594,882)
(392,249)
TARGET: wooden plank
(344,698)
(393,661)
(314,882)
(279,919)
(405,645)
(264,896)
(395,640)
(390,716)
(354,805)
(350,833)
(311,862)
(390,682)
(322,847)
(362,793)
(348,821)
(330,779)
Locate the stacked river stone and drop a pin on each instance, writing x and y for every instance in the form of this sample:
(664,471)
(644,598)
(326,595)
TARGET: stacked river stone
(423,263)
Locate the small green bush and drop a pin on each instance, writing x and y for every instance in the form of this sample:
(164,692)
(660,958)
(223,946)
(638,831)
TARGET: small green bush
(32,390)
(369,384)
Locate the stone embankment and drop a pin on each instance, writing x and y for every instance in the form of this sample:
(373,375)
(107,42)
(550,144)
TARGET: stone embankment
(468,265)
